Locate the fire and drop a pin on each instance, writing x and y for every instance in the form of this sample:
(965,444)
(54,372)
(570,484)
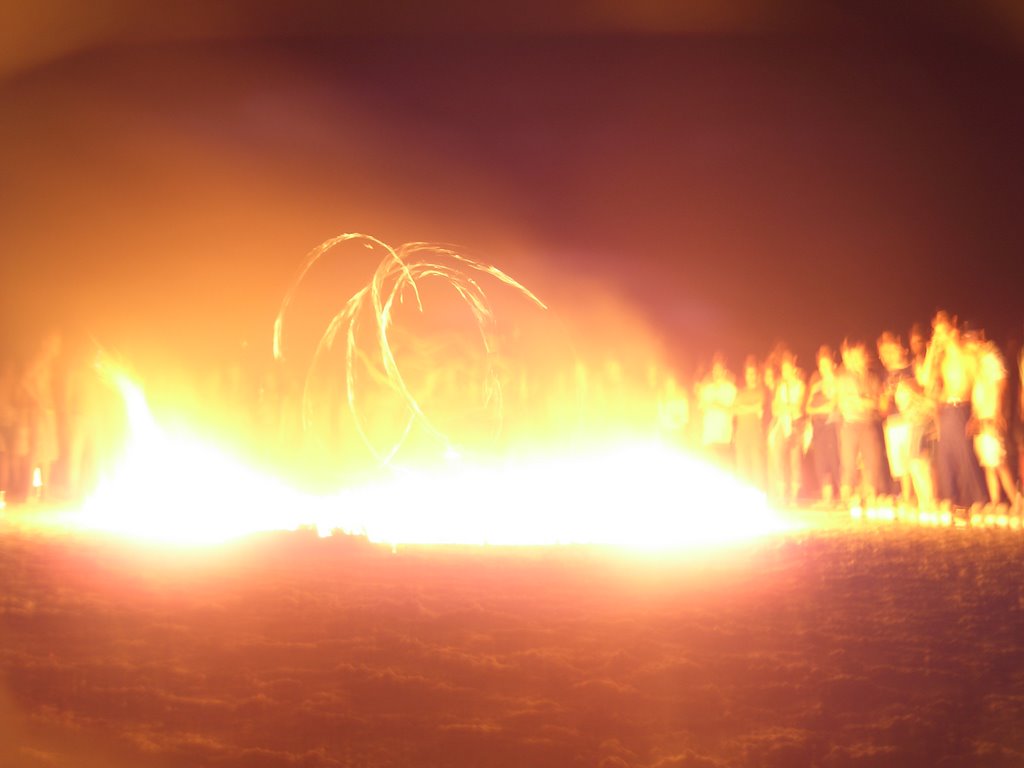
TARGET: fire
(173,487)
(445,382)
(638,495)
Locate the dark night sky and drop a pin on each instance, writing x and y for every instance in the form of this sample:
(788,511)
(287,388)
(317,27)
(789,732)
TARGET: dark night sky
(738,178)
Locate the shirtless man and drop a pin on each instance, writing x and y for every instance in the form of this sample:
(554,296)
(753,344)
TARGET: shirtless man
(950,370)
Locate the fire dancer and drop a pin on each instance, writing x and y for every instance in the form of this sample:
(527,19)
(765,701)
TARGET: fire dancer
(949,369)
(859,440)
(823,410)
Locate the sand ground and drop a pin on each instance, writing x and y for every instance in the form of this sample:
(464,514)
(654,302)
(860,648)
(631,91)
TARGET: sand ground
(865,647)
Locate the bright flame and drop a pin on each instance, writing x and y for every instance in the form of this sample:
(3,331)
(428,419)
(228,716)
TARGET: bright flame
(176,488)
(640,494)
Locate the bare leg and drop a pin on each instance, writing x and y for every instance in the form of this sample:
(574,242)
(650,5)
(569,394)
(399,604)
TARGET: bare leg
(992,481)
(906,488)
(828,491)
(846,494)
(924,484)
(1007,481)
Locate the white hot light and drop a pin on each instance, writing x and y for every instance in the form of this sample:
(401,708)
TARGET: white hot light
(633,494)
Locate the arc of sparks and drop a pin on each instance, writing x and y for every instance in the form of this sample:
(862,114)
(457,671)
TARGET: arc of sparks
(398,271)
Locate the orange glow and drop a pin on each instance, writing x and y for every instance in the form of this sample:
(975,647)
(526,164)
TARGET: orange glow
(937,518)
(526,444)
(637,494)
(474,443)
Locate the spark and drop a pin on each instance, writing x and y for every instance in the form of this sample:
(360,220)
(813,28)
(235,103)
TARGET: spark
(398,274)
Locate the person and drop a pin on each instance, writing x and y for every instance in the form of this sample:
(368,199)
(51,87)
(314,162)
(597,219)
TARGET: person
(749,432)
(85,422)
(786,433)
(950,369)
(915,401)
(896,429)
(858,398)
(8,428)
(673,412)
(39,401)
(823,411)
(988,417)
(716,397)
(1020,415)
(918,353)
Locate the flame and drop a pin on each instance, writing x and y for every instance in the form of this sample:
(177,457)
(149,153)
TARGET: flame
(632,494)
(418,384)
(173,487)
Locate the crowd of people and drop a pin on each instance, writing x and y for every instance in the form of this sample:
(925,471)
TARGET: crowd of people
(934,427)
(57,419)
(64,423)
